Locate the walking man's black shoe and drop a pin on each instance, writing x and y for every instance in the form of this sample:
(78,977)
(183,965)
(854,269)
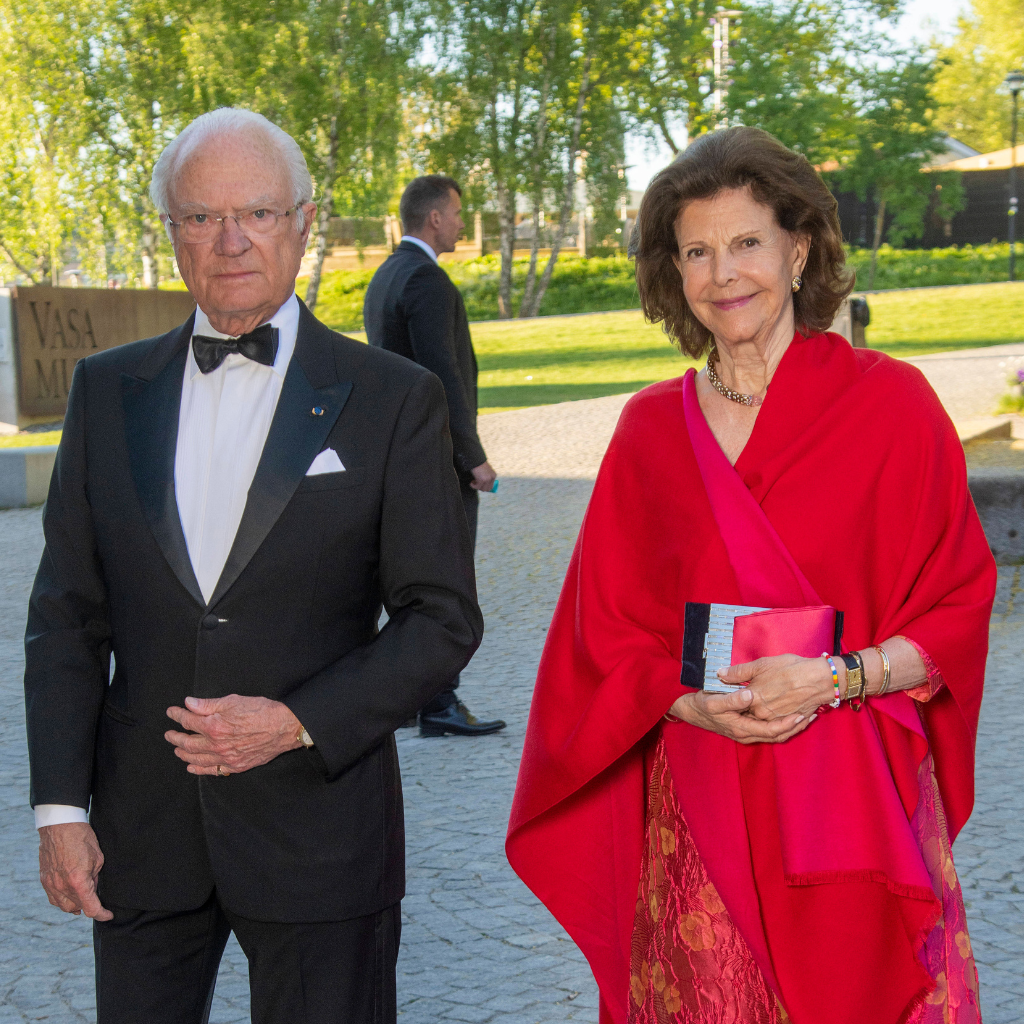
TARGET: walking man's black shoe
(458,720)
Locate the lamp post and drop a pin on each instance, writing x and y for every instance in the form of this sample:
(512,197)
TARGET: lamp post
(1014,81)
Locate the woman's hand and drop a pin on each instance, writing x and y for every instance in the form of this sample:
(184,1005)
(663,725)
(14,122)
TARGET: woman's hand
(785,685)
(729,715)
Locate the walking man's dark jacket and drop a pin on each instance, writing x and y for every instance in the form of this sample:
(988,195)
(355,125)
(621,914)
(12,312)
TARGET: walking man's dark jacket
(412,308)
(315,834)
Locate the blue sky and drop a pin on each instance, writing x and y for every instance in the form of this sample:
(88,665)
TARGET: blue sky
(922,20)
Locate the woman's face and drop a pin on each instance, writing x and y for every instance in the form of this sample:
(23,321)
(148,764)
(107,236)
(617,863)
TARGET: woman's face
(737,265)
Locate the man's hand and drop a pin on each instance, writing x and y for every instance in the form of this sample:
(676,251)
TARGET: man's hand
(483,477)
(728,714)
(69,864)
(235,733)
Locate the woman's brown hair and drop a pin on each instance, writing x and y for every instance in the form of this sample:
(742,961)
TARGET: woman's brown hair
(778,178)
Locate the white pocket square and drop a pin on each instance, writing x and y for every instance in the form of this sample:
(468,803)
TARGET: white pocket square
(326,462)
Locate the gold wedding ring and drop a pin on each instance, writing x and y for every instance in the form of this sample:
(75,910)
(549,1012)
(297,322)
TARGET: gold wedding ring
(222,771)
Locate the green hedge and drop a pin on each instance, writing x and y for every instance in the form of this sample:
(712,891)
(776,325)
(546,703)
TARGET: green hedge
(606,282)
(921,268)
(577,286)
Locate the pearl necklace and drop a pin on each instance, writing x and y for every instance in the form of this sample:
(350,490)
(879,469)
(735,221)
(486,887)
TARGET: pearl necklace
(733,396)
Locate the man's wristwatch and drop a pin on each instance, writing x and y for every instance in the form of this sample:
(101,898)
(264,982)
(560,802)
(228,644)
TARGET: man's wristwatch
(856,679)
(303,737)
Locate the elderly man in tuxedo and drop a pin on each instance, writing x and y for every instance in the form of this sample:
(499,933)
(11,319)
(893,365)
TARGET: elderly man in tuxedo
(232,504)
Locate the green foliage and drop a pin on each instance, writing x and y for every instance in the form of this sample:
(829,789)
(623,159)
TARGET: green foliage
(1011,403)
(340,298)
(921,268)
(527,102)
(522,102)
(578,285)
(51,187)
(606,283)
(94,91)
(893,137)
(795,73)
(972,106)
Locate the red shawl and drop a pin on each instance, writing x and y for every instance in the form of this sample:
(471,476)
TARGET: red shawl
(859,471)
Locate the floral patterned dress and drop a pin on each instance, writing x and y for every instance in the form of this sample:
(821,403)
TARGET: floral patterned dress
(690,965)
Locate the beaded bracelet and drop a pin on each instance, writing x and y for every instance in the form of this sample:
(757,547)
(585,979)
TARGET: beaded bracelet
(835,679)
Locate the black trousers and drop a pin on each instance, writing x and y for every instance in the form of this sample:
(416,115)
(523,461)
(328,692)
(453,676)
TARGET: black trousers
(155,967)
(471,503)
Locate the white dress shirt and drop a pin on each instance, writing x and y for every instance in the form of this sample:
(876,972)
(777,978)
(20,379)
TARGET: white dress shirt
(423,245)
(223,422)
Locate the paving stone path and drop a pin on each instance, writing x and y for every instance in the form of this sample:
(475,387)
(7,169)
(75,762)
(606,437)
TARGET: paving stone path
(970,383)
(476,945)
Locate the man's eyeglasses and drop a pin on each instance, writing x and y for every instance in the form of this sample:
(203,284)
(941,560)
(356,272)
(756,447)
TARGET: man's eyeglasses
(204,227)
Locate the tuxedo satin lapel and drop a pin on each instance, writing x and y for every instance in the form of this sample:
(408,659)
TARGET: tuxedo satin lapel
(151,402)
(296,436)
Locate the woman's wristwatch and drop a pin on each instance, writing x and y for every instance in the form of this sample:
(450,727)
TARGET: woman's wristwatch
(856,680)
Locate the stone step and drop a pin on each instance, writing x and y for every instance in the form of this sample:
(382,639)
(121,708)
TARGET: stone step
(25,475)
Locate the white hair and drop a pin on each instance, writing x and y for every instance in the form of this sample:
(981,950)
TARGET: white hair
(232,121)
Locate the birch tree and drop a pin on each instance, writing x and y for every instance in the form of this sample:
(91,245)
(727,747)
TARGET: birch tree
(521,92)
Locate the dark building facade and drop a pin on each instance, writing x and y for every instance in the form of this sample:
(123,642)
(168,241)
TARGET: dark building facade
(983,219)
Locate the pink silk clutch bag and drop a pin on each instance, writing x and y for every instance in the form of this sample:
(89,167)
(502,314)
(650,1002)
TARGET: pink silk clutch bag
(807,632)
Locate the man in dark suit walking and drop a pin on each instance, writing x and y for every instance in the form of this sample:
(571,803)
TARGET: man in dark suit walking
(412,308)
(232,504)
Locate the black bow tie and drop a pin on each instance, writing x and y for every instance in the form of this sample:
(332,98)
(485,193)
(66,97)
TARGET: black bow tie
(259,345)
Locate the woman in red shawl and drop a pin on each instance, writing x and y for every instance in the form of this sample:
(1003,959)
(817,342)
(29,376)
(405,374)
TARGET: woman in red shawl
(780,851)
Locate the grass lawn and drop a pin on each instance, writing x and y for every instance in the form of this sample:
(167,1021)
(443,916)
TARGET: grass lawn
(538,362)
(611,353)
(561,359)
(922,320)
(44,437)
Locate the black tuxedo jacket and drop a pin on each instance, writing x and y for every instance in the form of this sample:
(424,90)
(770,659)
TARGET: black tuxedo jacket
(314,835)
(412,308)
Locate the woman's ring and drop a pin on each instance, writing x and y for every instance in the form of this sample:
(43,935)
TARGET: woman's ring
(222,771)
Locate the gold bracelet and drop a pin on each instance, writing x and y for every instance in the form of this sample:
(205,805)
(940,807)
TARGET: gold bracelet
(886,671)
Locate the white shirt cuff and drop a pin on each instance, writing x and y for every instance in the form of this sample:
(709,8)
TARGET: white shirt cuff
(58,814)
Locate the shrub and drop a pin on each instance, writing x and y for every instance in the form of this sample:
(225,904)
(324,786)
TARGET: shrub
(597,283)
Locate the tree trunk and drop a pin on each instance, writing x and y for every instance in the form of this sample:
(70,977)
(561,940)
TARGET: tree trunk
(324,217)
(540,139)
(531,273)
(330,167)
(20,267)
(568,195)
(150,276)
(665,133)
(876,241)
(102,261)
(507,241)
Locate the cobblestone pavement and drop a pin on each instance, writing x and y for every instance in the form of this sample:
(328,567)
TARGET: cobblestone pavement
(970,383)
(476,945)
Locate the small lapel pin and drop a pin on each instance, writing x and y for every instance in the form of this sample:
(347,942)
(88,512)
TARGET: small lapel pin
(317,410)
